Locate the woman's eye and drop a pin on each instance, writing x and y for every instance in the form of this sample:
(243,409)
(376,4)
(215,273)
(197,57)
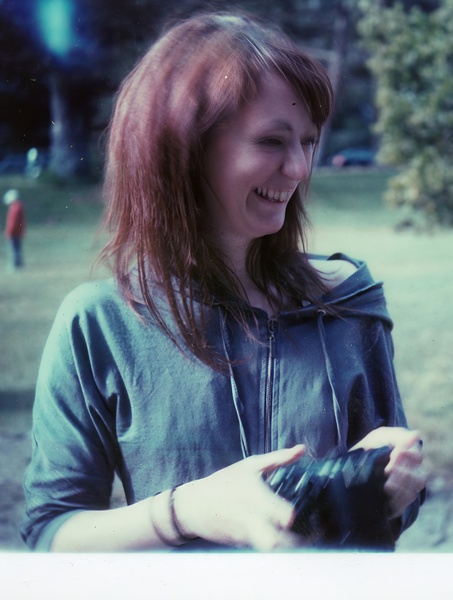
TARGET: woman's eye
(309,143)
(273,142)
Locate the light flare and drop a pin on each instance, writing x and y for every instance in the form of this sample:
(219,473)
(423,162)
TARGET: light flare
(55,22)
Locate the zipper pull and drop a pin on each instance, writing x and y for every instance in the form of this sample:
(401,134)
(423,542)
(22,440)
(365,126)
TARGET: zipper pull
(271,326)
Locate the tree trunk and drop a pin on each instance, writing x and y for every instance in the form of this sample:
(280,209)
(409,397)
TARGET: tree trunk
(335,68)
(70,105)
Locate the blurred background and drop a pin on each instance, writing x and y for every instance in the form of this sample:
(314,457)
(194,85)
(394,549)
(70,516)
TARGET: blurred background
(382,187)
(63,60)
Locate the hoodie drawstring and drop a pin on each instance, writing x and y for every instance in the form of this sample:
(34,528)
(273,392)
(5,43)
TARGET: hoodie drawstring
(234,390)
(330,376)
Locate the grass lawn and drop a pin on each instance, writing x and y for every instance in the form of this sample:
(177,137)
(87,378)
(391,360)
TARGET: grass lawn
(59,249)
(348,216)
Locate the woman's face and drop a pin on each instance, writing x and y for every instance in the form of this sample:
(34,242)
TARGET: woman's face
(254,162)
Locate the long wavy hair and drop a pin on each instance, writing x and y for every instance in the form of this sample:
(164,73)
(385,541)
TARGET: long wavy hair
(197,74)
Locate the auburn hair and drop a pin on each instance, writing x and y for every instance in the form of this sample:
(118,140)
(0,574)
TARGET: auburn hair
(198,74)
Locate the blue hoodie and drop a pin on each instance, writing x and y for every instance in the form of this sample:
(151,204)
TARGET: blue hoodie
(114,394)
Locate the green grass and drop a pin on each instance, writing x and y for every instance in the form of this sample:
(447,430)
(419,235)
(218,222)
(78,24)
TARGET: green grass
(348,216)
(60,247)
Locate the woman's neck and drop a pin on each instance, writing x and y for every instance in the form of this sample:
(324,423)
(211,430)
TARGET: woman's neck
(252,294)
(235,256)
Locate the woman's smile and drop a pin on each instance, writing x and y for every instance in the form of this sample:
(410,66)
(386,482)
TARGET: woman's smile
(273,195)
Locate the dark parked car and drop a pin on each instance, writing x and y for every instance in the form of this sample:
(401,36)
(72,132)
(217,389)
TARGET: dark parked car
(361,157)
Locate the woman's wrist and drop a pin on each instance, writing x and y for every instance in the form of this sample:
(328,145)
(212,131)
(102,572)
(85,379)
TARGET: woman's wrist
(188,515)
(178,526)
(165,521)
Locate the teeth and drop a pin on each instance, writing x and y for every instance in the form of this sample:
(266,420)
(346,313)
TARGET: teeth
(270,194)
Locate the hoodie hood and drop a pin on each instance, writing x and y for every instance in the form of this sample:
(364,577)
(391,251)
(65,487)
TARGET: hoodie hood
(358,294)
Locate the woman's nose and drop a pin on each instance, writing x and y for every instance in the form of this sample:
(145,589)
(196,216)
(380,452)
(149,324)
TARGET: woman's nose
(297,163)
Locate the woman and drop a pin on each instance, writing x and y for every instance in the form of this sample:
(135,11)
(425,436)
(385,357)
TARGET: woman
(219,351)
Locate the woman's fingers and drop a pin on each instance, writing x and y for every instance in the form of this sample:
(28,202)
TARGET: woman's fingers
(277,510)
(278,458)
(389,436)
(406,476)
(268,538)
(235,506)
(409,456)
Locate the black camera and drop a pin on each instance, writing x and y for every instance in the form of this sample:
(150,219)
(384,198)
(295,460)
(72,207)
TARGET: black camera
(340,502)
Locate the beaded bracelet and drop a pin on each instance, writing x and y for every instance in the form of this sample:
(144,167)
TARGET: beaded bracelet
(174,519)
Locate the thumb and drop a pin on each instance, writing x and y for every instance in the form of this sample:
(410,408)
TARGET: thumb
(411,439)
(279,458)
(388,436)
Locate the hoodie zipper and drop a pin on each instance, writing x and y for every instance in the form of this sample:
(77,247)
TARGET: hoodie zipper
(271,325)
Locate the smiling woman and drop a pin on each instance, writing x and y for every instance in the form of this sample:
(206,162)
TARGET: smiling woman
(220,350)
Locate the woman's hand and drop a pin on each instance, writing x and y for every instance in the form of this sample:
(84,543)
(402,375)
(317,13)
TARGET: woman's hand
(406,476)
(235,506)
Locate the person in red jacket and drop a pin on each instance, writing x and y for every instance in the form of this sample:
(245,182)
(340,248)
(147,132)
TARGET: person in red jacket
(14,228)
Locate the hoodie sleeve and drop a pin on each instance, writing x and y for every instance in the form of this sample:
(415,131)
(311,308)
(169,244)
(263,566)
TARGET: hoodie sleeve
(74,451)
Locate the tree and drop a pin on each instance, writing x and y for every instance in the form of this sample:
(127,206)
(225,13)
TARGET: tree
(412,59)
(23,95)
(327,29)
(78,73)
(72,52)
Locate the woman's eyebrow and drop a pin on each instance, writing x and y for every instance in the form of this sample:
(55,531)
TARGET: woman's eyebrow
(281,124)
